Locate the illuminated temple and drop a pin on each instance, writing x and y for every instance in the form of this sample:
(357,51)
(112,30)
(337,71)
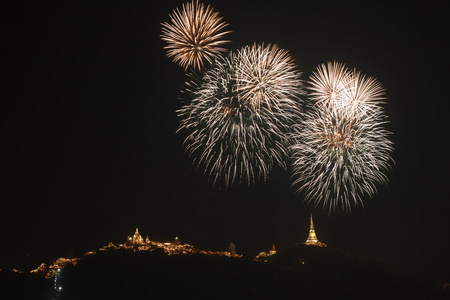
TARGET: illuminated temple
(134,243)
(136,239)
(312,239)
(137,243)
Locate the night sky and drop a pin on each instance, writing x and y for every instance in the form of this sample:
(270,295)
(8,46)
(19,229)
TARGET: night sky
(90,149)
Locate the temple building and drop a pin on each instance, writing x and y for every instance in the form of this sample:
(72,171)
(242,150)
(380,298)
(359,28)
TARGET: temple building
(312,239)
(136,239)
(264,256)
(273,251)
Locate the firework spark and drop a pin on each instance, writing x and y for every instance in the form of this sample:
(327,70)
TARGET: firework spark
(240,113)
(195,35)
(342,149)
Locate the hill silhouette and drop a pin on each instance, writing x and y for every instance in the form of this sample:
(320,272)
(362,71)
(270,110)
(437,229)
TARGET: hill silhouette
(301,272)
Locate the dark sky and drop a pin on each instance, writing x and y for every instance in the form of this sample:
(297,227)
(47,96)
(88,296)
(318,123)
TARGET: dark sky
(90,151)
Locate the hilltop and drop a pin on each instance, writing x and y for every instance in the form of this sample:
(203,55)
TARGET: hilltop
(304,272)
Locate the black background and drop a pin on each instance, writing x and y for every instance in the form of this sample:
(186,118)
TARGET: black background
(90,149)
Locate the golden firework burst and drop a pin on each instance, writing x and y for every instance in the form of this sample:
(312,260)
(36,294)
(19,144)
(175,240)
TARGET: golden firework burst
(194,35)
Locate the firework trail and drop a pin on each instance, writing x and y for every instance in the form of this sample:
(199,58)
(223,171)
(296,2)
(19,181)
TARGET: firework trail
(240,112)
(195,35)
(342,149)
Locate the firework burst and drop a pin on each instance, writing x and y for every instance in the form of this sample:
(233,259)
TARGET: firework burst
(342,149)
(240,112)
(336,87)
(329,84)
(265,75)
(195,35)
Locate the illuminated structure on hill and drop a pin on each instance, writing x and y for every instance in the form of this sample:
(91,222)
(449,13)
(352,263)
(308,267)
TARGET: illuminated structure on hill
(136,239)
(312,239)
(273,251)
(264,256)
(134,243)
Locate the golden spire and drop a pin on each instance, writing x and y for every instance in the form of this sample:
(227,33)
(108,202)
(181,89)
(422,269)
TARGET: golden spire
(312,237)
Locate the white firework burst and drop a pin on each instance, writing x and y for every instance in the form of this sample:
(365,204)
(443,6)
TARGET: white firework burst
(265,75)
(240,113)
(336,87)
(342,149)
(329,84)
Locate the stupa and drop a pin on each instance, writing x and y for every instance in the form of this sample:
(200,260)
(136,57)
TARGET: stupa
(312,239)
